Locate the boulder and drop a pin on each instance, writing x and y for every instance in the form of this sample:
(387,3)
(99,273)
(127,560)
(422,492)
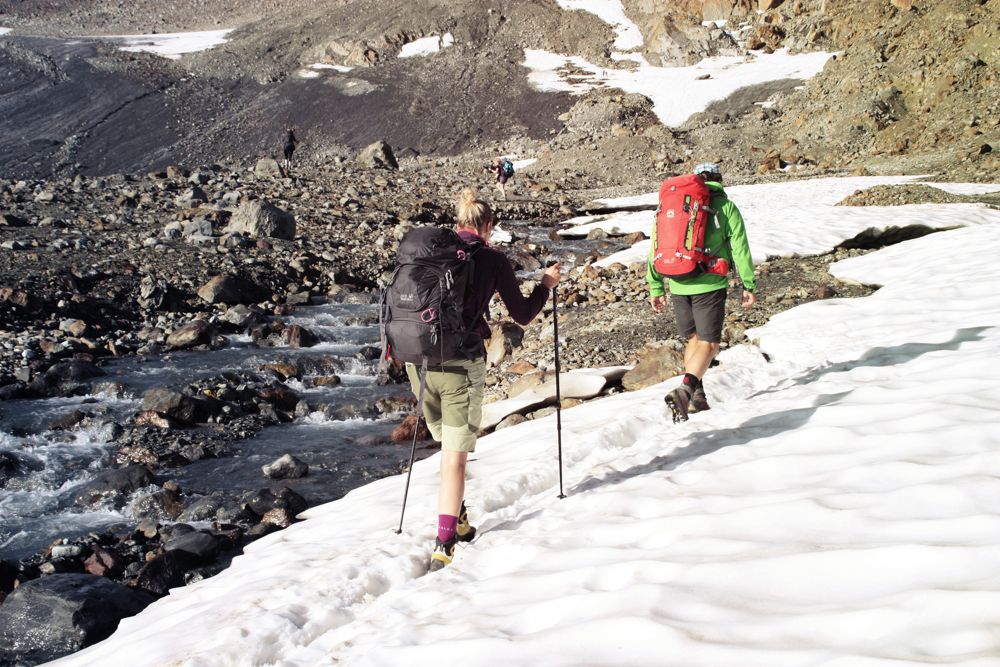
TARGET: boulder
(286,467)
(170,403)
(267,168)
(404,432)
(260,219)
(263,501)
(53,616)
(297,336)
(203,546)
(230,289)
(166,571)
(377,155)
(104,562)
(657,362)
(114,483)
(192,334)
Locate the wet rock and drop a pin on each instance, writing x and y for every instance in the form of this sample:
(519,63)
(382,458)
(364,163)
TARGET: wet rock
(259,219)
(326,381)
(170,403)
(192,334)
(53,616)
(67,421)
(283,370)
(166,571)
(279,517)
(404,432)
(153,419)
(298,336)
(263,501)
(202,545)
(241,316)
(286,467)
(114,483)
(104,562)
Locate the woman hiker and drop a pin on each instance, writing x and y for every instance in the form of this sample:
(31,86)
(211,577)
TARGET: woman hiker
(453,401)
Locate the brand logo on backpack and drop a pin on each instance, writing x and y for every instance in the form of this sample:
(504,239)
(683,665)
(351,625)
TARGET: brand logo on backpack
(680,238)
(422,306)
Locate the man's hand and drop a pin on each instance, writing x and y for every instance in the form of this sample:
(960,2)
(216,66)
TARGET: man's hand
(748,299)
(550,278)
(659,303)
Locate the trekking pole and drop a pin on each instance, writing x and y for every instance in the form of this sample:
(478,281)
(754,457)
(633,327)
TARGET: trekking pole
(413,447)
(555,334)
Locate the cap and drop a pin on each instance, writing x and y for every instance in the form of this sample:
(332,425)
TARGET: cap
(708,168)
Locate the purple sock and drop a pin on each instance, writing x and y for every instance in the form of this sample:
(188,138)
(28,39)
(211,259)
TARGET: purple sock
(446,527)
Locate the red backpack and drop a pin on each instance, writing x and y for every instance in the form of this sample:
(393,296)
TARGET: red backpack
(681,219)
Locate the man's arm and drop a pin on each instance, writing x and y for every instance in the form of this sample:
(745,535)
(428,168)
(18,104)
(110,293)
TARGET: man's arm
(739,244)
(657,294)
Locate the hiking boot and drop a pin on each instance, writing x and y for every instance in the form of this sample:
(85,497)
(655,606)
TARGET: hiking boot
(699,403)
(443,553)
(464,531)
(678,401)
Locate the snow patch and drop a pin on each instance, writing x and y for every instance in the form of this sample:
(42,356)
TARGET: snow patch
(170,45)
(676,92)
(4,31)
(613,13)
(426,46)
(325,66)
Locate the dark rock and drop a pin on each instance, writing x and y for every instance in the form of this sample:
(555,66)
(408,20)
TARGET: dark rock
(53,616)
(267,168)
(203,546)
(286,467)
(114,483)
(326,381)
(104,562)
(297,336)
(170,403)
(263,501)
(166,571)
(279,396)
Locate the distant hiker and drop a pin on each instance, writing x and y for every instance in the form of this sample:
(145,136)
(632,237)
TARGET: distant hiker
(504,170)
(451,388)
(695,252)
(289,149)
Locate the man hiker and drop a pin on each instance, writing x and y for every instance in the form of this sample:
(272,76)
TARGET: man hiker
(699,301)
(452,400)
(289,149)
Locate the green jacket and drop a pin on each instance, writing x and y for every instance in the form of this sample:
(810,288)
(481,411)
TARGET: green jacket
(727,224)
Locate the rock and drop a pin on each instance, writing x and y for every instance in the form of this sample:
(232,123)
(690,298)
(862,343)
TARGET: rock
(104,563)
(170,403)
(260,219)
(229,289)
(73,327)
(511,420)
(521,367)
(166,571)
(267,168)
(503,339)
(284,369)
(67,421)
(404,432)
(191,198)
(9,220)
(657,362)
(263,501)
(280,396)
(241,316)
(53,616)
(152,419)
(286,467)
(192,334)
(279,517)
(114,483)
(377,155)
(203,546)
(326,381)
(825,292)
(902,5)
(297,336)
(766,5)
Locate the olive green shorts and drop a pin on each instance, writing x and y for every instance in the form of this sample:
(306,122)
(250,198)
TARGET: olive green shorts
(453,402)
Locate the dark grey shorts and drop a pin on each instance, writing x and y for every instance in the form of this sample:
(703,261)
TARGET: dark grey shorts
(700,314)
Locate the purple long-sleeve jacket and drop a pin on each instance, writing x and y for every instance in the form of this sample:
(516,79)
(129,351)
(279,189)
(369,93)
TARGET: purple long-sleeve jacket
(494,274)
